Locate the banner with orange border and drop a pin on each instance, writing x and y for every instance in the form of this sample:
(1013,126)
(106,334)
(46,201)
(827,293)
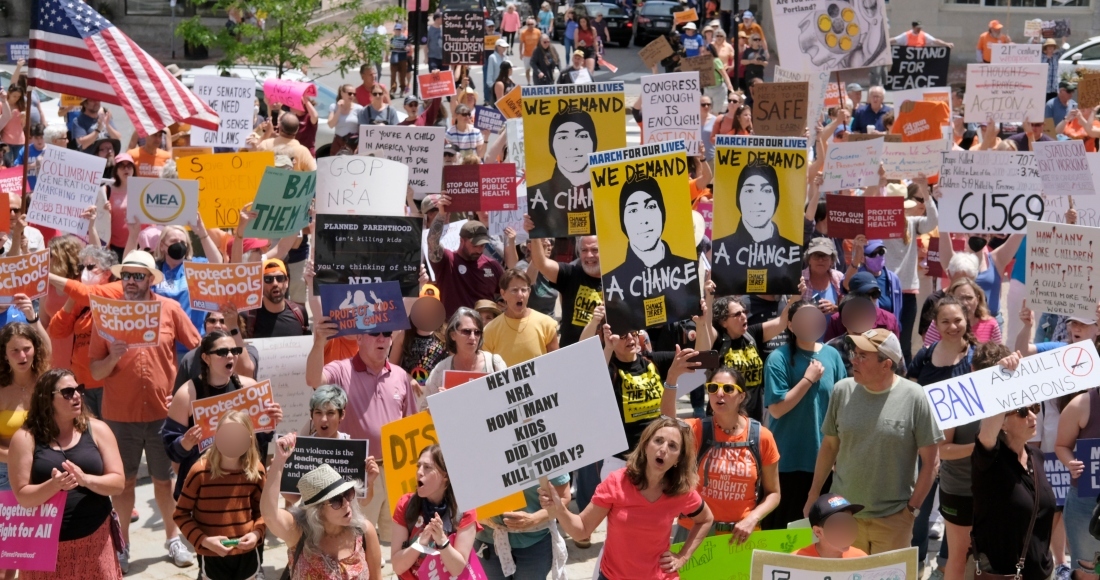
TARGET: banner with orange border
(212,285)
(252,400)
(133,322)
(25,274)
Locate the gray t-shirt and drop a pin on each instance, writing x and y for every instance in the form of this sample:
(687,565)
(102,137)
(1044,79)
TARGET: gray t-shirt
(955,473)
(880,434)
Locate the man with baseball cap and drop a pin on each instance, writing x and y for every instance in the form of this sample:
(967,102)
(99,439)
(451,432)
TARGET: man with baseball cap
(989,38)
(876,426)
(834,538)
(863,284)
(279,315)
(466,275)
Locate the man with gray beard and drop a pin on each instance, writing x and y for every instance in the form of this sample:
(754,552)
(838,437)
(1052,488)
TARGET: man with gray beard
(578,282)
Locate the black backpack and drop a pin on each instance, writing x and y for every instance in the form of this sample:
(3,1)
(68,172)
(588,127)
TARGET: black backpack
(752,442)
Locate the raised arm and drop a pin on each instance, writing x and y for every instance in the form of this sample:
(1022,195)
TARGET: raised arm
(279,521)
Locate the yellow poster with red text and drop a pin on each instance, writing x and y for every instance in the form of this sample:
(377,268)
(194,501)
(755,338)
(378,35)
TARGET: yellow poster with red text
(253,400)
(212,285)
(26,274)
(133,322)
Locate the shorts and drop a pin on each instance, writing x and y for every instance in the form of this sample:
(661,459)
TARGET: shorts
(957,509)
(93,399)
(5,483)
(133,438)
(526,63)
(234,567)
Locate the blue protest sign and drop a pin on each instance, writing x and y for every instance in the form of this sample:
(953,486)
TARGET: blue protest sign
(1088,452)
(1057,475)
(363,308)
(18,51)
(489,119)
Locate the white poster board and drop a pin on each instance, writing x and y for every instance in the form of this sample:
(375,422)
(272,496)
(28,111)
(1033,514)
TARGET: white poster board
(670,110)
(989,191)
(541,418)
(1012,53)
(1012,93)
(233,100)
(827,35)
(1061,261)
(513,131)
(419,148)
(448,240)
(498,220)
(357,185)
(68,183)
(283,362)
(162,201)
(854,164)
(894,565)
(1063,167)
(908,160)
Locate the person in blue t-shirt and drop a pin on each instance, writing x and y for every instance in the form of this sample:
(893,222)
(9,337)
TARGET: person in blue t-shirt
(693,43)
(1079,327)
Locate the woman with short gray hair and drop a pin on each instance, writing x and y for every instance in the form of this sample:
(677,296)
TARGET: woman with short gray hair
(463,341)
(326,410)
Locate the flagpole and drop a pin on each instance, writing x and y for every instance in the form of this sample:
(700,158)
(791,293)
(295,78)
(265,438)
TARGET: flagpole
(27,113)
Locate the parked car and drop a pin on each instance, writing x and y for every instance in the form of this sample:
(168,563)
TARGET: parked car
(1086,54)
(619,26)
(653,19)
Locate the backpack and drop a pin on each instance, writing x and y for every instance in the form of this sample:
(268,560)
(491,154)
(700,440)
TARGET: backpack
(752,442)
(250,319)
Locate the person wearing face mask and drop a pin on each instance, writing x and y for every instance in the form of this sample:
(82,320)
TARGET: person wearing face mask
(991,264)
(870,256)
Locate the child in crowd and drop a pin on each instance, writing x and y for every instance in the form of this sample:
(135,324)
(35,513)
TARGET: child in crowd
(833,520)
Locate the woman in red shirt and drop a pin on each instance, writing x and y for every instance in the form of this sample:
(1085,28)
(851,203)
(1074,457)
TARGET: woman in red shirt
(585,38)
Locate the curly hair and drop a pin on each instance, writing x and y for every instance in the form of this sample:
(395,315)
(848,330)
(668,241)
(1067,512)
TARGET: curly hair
(41,360)
(722,308)
(682,476)
(65,256)
(982,311)
(40,420)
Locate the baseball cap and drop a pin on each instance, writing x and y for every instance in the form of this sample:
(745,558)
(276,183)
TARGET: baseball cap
(430,291)
(854,87)
(274,264)
(862,283)
(476,232)
(916,24)
(398,26)
(502,43)
(490,23)
(124,158)
(409,100)
(690,26)
(872,245)
(828,505)
(450,149)
(879,340)
(1082,319)
(995,24)
(429,203)
(748,14)
(578,53)
(821,246)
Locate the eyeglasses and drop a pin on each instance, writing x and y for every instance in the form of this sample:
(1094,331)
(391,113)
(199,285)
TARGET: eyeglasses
(877,253)
(273,279)
(386,334)
(755,40)
(82,267)
(1023,411)
(469,332)
(135,276)
(68,392)
(339,501)
(224,352)
(728,389)
(215,321)
(463,114)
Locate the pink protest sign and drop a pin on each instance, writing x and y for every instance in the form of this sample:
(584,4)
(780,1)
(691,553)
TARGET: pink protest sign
(285,92)
(11,180)
(706,209)
(30,535)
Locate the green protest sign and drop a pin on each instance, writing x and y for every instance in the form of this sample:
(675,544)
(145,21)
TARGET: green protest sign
(282,203)
(718,558)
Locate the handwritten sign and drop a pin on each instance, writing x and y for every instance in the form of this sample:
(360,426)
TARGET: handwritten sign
(779,109)
(896,565)
(211,286)
(657,50)
(908,160)
(283,362)
(135,323)
(24,274)
(232,98)
(287,92)
(670,110)
(1005,92)
(875,217)
(989,191)
(419,148)
(511,104)
(30,534)
(684,16)
(463,42)
(68,183)
(227,182)
(436,85)
(703,64)
(1087,207)
(850,165)
(252,400)
(1088,91)
(162,201)
(499,220)
(1012,53)
(1061,261)
(1033,28)
(355,185)
(282,203)
(818,87)
(1063,167)
(716,557)
(916,67)
(347,456)
(488,119)
(364,308)
(178,152)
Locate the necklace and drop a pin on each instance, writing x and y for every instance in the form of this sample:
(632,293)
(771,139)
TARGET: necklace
(733,431)
(519,327)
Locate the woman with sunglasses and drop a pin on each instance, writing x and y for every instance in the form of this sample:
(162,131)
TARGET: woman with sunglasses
(463,340)
(870,256)
(753,60)
(62,448)
(343,118)
(378,112)
(1079,420)
(217,362)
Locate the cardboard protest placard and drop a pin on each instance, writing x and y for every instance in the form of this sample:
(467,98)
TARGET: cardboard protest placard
(1058,475)
(996,390)
(988,192)
(1063,167)
(347,456)
(232,98)
(227,182)
(491,41)
(71,100)
(437,85)
(826,35)
(287,92)
(1060,262)
(253,400)
(178,152)
(541,418)
(647,249)
(419,148)
(910,160)
(488,119)
(877,218)
(68,183)
(364,308)
(136,323)
(1033,28)
(1088,91)
(1012,53)
(1011,93)
(759,186)
(511,104)
(818,87)
(463,33)
(24,274)
(684,16)
(452,379)
(703,64)
(569,122)
(898,564)
(31,534)
(282,203)
(359,249)
(657,50)
(670,110)
(779,109)
(356,185)
(714,558)
(852,164)
(917,67)
(283,360)
(211,286)
(162,201)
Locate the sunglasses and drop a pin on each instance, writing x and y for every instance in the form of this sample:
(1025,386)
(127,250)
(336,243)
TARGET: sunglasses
(135,276)
(469,332)
(272,279)
(386,334)
(877,253)
(224,352)
(1023,411)
(463,114)
(704,104)
(82,267)
(215,321)
(68,392)
(339,501)
(728,389)
(377,94)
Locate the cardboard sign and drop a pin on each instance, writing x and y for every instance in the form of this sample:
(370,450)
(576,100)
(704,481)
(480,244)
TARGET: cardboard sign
(136,323)
(917,67)
(995,390)
(1011,93)
(491,41)
(211,286)
(1033,28)
(704,64)
(684,16)
(355,185)
(452,379)
(878,218)
(162,201)
(779,109)
(1058,474)
(1088,91)
(31,534)
(437,85)
(68,184)
(897,564)
(989,191)
(227,182)
(283,360)
(657,50)
(671,111)
(233,99)
(488,119)
(1063,167)
(282,203)
(71,100)
(852,164)
(24,274)
(1060,263)
(818,93)
(1012,53)
(541,418)
(286,92)
(825,35)
(364,308)
(357,249)
(178,152)
(419,148)
(252,400)
(463,33)
(347,456)
(715,558)
(511,104)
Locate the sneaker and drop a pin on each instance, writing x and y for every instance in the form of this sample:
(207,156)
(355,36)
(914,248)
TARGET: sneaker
(134,516)
(1063,572)
(124,561)
(259,574)
(178,552)
(936,574)
(935,532)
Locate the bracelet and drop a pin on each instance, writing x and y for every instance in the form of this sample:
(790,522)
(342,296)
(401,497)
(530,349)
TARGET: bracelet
(672,387)
(444,545)
(35,321)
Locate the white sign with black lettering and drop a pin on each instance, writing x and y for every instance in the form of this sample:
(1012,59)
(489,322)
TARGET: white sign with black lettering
(1063,167)
(989,191)
(283,362)
(1011,93)
(670,109)
(419,148)
(542,418)
(356,185)
(232,99)
(1015,53)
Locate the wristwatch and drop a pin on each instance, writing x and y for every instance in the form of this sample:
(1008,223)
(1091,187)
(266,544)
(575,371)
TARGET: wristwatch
(234,332)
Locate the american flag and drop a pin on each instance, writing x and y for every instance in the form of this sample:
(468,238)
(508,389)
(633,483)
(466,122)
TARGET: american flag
(75,50)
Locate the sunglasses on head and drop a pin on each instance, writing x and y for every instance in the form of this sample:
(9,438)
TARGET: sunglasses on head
(272,279)
(68,392)
(1023,411)
(135,276)
(339,501)
(224,352)
(386,334)
(727,388)
(469,332)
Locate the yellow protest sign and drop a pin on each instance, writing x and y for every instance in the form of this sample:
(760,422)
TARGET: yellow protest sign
(178,152)
(227,182)
(71,101)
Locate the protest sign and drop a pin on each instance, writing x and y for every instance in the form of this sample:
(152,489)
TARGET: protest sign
(569,122)
(818,86)
(68,183)
(716,557)
(852,164)
(11,181)
(227,183)
(511,104)
(541,418)
(1063,167)
(356,185)
(935,267)
(498,187)
(24,274)
(767,177)
(995,390)
(448,240)
(703,65)
(826,35)
(1088,91)
(462,37)
(162,201)
(670,109)
(1058,476)
(491,42)
(706,209)
(462,184)
(647,249)
(452,379)
(283,360)
(18,51)
(211,286)
(516,150)
(71,100)
(347,456)
(286,92)
(436,85)
(1060,262)
(30,534)
(232,99)
(133,322)
(917,67)
(488,119)
(1012,53)
(780,109)
(178,152)
(1010,93)
(1033,28)
(684,16)
(1087,451)
(989,191)
(358,249)
(363,308)
(419,148)
(910,160)
(657,50)
(1087,208)
(252,400)
(499,220)
(877,218)
(282,203)
(894,565)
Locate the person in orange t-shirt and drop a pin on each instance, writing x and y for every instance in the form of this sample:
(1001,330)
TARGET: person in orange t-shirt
(833,520)
(989,37)
(923,121)
(150,158)
(1077,126)
(529,39)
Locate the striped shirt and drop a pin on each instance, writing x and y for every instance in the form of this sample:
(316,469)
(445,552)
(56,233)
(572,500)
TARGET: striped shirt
(226,506)
(467,140)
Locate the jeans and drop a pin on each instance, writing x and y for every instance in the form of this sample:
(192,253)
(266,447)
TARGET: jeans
(907,323)
(435,64)
(920,524)
(1076,515)
(568,50)
(586,478)
(5,483)
(532,562)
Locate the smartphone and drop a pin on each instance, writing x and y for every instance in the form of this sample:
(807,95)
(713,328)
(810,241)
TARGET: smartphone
(707,359)
(230,543)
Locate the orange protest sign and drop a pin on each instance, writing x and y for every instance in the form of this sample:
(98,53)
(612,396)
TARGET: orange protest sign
(135,323)
(832,95)
(71,101)
(684,16)
(437,85)
(178,152)
(212,285)
(26,274)
(452,379)
(252,400)
(491,41)
(511,104)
